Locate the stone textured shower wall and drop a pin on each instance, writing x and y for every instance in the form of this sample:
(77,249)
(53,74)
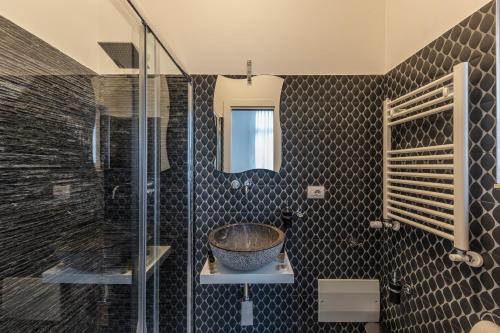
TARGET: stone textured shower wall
(331,136)
(47,112)
(48,105)
(450,297)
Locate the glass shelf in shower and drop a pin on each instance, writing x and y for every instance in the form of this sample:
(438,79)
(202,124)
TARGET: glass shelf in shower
(62,274)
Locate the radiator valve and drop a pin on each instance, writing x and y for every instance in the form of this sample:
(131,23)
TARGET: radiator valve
(471,258)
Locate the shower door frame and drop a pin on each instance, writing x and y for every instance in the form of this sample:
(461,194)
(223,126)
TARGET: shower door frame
(141,275)
(141,272)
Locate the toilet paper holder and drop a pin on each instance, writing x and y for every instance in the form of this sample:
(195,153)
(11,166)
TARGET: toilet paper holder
(386,224)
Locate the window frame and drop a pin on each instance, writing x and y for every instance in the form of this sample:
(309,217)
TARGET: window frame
(248,104)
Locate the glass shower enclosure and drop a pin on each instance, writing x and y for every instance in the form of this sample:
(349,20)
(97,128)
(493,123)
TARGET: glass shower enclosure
(94,171)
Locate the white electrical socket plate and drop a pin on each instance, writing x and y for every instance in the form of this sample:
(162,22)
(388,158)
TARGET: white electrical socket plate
(315,192)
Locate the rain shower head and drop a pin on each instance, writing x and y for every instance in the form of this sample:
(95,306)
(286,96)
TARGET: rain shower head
(124,55)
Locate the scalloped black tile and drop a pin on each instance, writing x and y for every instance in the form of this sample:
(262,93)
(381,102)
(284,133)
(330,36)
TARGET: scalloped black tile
(449,297)
(331,136)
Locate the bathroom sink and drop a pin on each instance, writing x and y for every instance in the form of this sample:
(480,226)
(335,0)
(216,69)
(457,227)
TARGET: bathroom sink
(246,246)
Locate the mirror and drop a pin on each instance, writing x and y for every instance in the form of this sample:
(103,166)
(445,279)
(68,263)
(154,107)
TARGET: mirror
(248,124)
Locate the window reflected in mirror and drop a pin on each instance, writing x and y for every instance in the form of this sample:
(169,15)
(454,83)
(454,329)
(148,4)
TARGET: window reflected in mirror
(247,121)
(252,139)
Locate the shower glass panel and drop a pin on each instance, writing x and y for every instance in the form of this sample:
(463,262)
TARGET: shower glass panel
(167,112)
(69,113)
(121,95)
(93,172)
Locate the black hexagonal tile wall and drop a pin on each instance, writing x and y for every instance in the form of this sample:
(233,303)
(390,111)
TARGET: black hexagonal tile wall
(331,127)
(449,297)
(331,136)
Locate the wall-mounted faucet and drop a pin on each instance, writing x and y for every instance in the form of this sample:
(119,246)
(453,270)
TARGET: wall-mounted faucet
(236,184)
(247,185)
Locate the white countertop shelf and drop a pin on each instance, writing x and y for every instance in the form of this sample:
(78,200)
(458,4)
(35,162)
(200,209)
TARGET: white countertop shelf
(269,274)
(61,274)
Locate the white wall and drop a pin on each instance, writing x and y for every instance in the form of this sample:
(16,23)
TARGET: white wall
(412,24)
(65,24)
(75,26)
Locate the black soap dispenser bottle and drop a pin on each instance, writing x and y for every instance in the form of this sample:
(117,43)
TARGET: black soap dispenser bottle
(395,289)
(286,219)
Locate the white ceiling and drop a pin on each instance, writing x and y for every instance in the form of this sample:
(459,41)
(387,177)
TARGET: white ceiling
(300,36)
(280,36)
(218,36)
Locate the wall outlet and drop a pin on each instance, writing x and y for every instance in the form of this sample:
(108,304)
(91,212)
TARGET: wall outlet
(315,192)
(61,191)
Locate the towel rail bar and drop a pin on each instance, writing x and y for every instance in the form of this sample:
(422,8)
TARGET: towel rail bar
(423,218)
(419,207)
(397,112)
(421,175)
(422,192)
(422,201)
(422,166)
(422,158)
(440,90)
(423,184)
(421,149)
(423,227)
(422,209)
(422,115)
(437,82)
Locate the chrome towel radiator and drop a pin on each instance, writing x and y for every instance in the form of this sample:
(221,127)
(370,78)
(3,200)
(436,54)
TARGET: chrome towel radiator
(427,187)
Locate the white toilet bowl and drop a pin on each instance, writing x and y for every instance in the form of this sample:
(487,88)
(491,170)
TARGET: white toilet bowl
(373,328)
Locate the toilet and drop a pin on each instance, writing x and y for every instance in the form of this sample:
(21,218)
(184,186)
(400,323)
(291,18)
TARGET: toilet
(485,327)
(350,300)
(373,328)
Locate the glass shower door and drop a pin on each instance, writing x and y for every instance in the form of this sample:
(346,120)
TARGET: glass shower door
(168,219)
(93,173)
(69,176)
